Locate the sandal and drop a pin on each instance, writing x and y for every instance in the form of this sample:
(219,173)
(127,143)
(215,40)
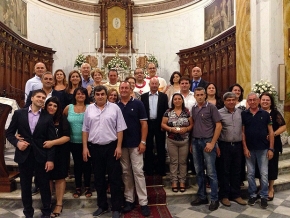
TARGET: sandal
(88,192)
(78,193)
(55,214)
(182,187)
(174,187)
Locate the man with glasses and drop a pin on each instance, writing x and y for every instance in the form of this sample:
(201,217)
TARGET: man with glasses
(141,85)
(151,69)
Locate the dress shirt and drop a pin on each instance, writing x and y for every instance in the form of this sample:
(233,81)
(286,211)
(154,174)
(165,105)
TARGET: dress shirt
(231,125)
(103,124)
(195,84)
(32,84)
(33,119)
(153,101)
(85,83)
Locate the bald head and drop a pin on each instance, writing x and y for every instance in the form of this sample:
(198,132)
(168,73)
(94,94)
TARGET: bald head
(39,69)
(196,73)
(154,84)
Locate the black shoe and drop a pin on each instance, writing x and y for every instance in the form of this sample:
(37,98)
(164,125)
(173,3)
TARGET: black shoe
(100,211)
(264,203)
(145,210)
(128,207)
(34,191)
(116,214)
(214,205)
(252,201)
(199,201)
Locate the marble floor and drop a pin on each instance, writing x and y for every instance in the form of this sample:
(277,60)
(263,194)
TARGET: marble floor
(278,208)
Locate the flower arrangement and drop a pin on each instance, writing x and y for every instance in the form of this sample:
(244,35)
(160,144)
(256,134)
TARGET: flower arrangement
(80,60)
(264,86)
(152,59)
(117,62)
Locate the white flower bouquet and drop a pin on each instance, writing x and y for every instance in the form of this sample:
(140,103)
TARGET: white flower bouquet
(264,86)
(117,62)
(80,60)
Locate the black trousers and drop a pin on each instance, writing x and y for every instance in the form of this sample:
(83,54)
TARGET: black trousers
(230,169)
(154,130)
(26,170)
(80,166)
(104,162)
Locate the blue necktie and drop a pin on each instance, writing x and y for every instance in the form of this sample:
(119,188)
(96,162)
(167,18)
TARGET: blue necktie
(194,85)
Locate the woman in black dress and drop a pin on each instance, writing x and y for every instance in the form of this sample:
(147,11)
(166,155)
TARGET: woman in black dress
(279,126)
(60,171)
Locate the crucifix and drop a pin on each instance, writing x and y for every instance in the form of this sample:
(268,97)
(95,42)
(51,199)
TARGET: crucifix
(117,48)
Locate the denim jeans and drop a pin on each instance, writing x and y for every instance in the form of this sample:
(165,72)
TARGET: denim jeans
(204,160)
(261,157)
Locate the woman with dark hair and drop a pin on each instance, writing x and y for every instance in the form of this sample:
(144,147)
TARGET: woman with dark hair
(75,116)
(59,172)
(60,85)
(113,95)
(174,84)
(239,91)
(178,123)
(74,81)
(212,96)
(267,103)
(241,103)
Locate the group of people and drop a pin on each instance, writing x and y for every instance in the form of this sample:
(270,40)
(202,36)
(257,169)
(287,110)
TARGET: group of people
(121,129)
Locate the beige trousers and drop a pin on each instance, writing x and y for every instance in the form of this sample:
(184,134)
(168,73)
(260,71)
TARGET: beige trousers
(178,151)
(133,175)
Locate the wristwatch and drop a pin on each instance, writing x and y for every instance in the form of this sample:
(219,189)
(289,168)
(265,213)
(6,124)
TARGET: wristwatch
(271,149)
(178,128)
(144,143)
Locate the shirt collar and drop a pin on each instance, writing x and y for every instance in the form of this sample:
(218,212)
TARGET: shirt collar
(87,81)
(198,81)
(30,110)
(156,93)
(204,104)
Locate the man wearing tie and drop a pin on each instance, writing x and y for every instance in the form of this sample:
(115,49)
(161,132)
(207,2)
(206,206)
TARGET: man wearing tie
(197,81)
(156,103)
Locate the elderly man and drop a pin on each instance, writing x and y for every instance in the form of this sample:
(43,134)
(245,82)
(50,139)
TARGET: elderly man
(151,69)
(156,103)
(197,81)
(85,71)
(206,130)
(102,140)
(141,85)
(36,126)
(35,82)
(113,80)
(258,145)
(230,144)
(133,147)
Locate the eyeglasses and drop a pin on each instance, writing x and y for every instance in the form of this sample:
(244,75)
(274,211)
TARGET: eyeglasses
(137,73)
(152,68)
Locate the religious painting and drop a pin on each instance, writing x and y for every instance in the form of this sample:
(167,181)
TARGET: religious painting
(116,26)
(218,17)
(13,13)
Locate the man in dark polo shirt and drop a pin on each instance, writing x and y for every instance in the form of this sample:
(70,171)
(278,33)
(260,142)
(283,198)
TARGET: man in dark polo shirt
(133,147)
(206,130)
(230,144)
(258,145)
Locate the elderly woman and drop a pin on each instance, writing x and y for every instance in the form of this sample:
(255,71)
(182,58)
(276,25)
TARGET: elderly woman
(178,123)
(267,103)
(97,76)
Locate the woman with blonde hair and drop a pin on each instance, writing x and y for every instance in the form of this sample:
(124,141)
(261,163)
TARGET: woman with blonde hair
(97,76)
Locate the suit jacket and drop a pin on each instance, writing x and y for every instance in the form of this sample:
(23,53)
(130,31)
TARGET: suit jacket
(202,84)
(162,105)
(44,131)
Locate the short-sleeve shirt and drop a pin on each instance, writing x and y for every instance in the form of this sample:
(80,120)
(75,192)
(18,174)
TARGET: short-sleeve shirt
(133,112)
(204,120)
(103,124)
(178,121)
(256,129)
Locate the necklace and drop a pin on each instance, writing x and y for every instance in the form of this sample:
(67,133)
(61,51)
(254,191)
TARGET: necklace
(140,86)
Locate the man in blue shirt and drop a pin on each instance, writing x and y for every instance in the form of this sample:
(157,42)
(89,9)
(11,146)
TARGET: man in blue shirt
(258,145)
(133,147)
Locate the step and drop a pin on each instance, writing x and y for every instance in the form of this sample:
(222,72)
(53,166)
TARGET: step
(286,154)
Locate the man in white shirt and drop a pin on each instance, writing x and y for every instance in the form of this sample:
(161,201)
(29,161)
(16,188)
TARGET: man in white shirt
(141,85)
(35,82)
(151,69)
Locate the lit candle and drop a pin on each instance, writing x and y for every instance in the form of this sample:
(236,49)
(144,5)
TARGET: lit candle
(130,47)
(96,40)
(136,40)
(89,46)
(145,47)
(103,46)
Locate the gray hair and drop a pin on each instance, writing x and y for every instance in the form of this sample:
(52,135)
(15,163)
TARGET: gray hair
(229,95)
(252,93)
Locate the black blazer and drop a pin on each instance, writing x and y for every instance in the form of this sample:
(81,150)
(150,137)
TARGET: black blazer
(162,105)
(44,131)
(202,84)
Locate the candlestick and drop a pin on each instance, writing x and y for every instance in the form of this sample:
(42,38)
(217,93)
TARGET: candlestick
(136,40)
(97,40)
(103,46)
(145,47)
